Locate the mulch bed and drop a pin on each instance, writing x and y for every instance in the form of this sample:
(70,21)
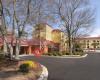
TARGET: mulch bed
(9,71)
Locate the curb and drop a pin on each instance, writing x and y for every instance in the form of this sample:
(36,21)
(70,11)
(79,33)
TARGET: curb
(68,56)
(65,56)
(44,74)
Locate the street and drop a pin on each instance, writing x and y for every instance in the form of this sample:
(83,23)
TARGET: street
(71,69)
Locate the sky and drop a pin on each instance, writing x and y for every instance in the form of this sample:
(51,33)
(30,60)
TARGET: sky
(96,26)
(96,31)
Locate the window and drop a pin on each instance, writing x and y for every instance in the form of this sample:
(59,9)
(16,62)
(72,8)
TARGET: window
(87,46)
(93,40)
(98,42)
(88,41)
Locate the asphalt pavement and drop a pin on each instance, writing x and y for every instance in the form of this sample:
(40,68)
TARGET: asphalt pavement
(87,68)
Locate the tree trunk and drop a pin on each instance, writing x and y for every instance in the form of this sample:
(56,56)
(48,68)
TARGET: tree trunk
(11,51)
(17,49)
(73,45)
(5,48)
(70,44)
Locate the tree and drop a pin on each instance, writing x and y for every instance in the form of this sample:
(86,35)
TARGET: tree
(74,16)
(3,28)
(19,15)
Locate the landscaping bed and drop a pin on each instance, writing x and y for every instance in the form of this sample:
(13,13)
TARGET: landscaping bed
(9,70)
(56,53)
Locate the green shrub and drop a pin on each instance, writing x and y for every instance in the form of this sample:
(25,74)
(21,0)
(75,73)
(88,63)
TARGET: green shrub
(78,50)
(78,53)
(54,54)
(24,68)
(49,54)
(60,54)
(2,57)
(63,53)
(67,53)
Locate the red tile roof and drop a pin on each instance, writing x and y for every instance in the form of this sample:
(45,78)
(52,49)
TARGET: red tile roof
(37,42)
(26,42)
(86,38)
(45,24)
(56,30)
(13,41)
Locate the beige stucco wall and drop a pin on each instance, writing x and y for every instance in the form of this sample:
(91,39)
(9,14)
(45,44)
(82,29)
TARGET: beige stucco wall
(63,44)
(56,36)
(39,31)
(59,37)
(88,43)
(48,33)
(44,32)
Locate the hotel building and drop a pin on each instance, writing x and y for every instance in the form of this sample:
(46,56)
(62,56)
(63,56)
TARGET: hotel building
(54,38)
(89,42)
